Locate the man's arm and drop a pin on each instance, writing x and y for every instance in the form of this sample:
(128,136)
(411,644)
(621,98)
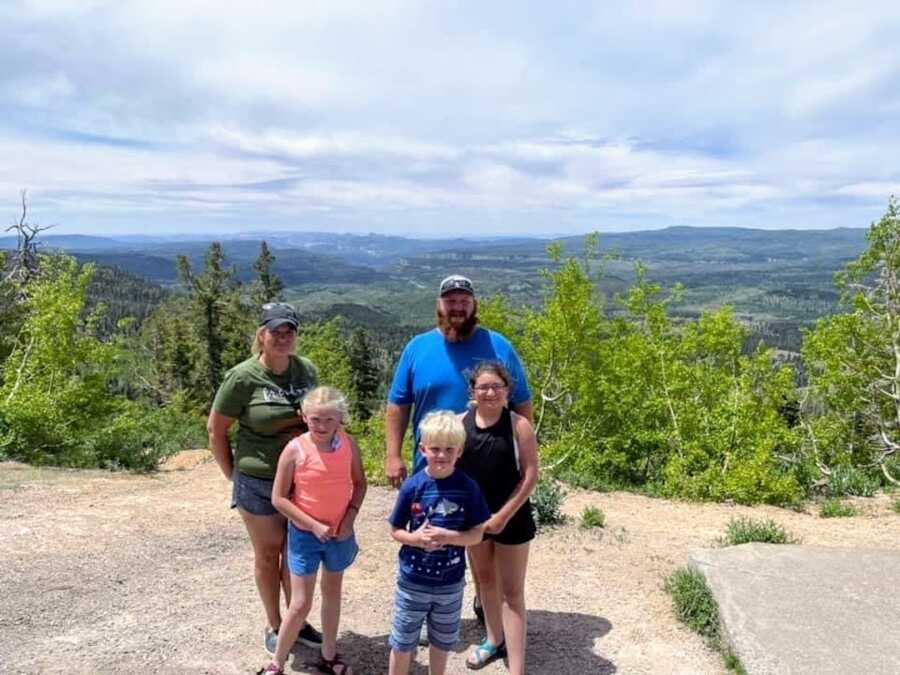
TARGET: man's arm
(525,409)
(396,419)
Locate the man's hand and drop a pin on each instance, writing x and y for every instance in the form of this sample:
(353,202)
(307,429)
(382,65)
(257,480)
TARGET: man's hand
(395,470)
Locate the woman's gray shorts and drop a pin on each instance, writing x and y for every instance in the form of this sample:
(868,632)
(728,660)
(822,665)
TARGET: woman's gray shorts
(252,494)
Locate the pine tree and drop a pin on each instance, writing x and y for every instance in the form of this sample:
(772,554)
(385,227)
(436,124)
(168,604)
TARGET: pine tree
(268,286)
(211,294)
(365,373)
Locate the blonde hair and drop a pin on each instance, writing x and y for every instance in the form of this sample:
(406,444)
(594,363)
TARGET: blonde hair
(328,398)
(257,346)
(442,428)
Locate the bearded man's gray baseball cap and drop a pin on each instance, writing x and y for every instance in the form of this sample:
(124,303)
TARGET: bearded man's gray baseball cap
(275,314)
(457,282)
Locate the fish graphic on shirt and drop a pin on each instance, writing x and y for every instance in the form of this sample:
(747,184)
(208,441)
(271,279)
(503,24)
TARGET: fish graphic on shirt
(445,508)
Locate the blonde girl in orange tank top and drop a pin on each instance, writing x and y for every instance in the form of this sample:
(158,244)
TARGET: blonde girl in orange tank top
(319,486)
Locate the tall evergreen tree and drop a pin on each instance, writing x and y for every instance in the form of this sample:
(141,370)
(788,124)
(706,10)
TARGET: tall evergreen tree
(211,294)
(365,375)
(268,286)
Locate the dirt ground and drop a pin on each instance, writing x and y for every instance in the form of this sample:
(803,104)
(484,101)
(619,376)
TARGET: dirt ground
(118,573)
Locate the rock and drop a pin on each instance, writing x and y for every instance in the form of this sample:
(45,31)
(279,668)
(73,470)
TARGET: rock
(790,609)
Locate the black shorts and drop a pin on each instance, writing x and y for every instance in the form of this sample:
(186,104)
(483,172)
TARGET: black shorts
(519,530)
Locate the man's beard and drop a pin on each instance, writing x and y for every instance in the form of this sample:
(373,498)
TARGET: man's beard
(456,332)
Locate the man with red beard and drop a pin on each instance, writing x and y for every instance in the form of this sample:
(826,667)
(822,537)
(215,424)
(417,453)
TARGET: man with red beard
(431,374)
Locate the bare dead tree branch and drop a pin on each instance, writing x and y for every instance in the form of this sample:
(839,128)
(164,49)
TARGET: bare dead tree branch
(23,263)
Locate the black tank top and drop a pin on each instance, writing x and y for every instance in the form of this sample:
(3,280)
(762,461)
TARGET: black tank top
(489,458)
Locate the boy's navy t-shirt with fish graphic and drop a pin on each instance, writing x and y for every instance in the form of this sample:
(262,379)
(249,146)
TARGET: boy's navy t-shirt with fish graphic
(454,503)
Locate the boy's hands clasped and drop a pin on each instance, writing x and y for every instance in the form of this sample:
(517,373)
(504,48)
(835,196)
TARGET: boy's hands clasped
(431,537)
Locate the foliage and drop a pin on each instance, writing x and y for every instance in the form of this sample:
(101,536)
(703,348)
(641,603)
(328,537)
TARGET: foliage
(268,286)
(323,343)
(642,400)
(219,318)
(591,517)
(895,506)
(746,530)
(694,602)
(696,608)
(369,435)
(835,508)
(852,405)
(56,402)
(11,311)
(850,480)
(365,372)
(546,503)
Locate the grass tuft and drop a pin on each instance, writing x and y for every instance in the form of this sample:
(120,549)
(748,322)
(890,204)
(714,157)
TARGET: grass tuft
(834,508)
(746,530)
(696,607)
(895,506)
(694,603)
(591,517)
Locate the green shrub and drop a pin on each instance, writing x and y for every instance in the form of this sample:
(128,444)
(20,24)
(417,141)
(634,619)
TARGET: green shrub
(850,480)
(369,435)
(591,517)
(746,530)
(696,607)
(834,508)
(895,506)
(546,503)
(694,603)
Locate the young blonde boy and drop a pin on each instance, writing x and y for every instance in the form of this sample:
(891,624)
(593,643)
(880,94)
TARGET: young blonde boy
(438,512)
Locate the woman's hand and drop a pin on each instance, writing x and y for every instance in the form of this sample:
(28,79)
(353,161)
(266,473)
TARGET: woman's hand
(496,523)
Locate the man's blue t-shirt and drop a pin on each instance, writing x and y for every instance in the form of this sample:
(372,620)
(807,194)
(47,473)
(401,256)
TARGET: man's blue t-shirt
(454,503)
(431,374)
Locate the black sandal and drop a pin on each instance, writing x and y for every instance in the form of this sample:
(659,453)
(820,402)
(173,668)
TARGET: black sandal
(329,665)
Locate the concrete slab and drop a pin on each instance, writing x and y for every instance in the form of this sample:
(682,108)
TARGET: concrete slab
(790,609)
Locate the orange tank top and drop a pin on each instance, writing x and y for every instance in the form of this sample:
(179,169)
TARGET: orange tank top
(323,484)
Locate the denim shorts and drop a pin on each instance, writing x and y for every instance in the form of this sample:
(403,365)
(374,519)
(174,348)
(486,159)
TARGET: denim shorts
(414,603)
(305,552)
(252,494)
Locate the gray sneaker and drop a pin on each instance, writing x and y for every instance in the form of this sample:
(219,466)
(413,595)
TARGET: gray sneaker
(270,640)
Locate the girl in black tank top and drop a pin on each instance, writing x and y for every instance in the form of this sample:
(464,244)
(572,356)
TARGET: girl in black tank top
(500,454)
(491,459)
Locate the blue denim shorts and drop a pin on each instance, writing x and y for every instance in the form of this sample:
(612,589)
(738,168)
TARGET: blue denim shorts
(441,606)
(305,552)
(252,494)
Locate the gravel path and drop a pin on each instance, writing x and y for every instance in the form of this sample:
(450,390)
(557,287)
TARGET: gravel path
(116,573)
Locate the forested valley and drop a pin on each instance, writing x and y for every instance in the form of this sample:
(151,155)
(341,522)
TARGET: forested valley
(641,380)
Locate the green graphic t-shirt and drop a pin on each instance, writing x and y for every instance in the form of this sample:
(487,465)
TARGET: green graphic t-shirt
(265,405)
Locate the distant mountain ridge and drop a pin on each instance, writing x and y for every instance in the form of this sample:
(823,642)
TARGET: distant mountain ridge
(673,244)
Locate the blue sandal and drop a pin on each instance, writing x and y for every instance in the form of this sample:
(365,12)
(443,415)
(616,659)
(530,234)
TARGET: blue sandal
(486,653)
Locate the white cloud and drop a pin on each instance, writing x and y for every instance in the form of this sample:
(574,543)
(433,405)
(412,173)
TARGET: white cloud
(693,113)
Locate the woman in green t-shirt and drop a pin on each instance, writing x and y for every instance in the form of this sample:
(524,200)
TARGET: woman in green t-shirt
(263,394)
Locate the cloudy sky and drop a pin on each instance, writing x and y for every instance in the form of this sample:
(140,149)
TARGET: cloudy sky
(446,118)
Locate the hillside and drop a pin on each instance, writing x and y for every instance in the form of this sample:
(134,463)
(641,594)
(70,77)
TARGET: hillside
(777,281)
